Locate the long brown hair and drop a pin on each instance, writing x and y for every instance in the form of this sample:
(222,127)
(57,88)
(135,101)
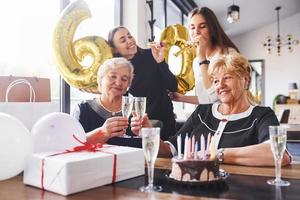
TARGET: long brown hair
(218,36)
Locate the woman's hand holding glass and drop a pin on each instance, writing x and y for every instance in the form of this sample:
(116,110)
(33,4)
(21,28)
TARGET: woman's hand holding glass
(115,126)
(112,127)
(138,123)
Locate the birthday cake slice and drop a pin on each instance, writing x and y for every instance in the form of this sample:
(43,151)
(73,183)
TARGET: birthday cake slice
(194,170)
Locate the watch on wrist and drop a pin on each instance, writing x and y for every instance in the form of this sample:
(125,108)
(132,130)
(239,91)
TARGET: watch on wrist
(220,155)
(206,62)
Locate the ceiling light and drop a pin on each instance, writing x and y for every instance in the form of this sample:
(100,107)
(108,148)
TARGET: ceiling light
(233,13)
(279,41)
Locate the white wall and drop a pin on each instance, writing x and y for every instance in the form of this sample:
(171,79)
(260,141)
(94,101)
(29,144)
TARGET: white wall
(135,18)
(279,70)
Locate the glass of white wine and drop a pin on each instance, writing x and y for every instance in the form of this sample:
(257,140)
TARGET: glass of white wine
(127,104)
(139,109)
(150,140)
(140,106)
(278,145)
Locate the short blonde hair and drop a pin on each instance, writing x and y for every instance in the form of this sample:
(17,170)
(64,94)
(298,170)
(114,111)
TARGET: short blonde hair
(234,63)
(114,63)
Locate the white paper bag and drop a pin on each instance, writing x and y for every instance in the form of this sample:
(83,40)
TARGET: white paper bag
(21,89)
(27,112)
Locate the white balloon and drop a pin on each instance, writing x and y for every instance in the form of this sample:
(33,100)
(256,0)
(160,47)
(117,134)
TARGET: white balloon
(15,146)
(54,133)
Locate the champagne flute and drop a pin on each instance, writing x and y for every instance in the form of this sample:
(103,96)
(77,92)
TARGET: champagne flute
(140,106)
(127,103)
(150,140)
(278,145)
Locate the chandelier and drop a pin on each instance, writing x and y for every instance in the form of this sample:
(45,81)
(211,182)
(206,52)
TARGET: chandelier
(233,13)
(279,41)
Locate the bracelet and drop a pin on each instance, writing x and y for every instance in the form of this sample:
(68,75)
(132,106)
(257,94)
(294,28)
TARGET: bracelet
(206,62)
(220,155)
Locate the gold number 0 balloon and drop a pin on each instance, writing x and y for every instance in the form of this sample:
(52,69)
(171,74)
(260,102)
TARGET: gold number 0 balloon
(69,54)
(178,35)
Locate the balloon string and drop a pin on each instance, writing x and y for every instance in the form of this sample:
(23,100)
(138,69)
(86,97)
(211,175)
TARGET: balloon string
(87,146)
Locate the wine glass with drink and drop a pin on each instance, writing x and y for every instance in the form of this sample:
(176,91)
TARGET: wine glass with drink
(150,141)
(278,145)
(127,104)
(140,106)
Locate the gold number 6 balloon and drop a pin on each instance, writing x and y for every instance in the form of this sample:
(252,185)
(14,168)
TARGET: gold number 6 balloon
(69,54)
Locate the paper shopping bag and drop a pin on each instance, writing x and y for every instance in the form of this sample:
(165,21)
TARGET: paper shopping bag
(19,89)
(16,90)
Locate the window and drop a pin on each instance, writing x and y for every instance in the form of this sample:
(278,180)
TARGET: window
(173,14)
(26,40)
(103,19)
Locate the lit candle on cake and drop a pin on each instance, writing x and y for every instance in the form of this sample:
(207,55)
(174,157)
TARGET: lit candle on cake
(189,148)
(212,148)
(196,151)
(185,147)
(193,144)
(207,144)
(179,146)
(203,146)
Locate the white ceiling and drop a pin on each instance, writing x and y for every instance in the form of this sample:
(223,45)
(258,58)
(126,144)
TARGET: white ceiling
(254,13)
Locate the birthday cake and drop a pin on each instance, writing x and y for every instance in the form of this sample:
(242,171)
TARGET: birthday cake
(194,170)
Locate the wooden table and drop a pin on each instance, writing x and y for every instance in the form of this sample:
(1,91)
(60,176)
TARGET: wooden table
(242,183)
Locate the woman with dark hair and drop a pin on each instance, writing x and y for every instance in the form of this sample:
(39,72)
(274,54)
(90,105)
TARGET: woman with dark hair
(211,42)
(152,77)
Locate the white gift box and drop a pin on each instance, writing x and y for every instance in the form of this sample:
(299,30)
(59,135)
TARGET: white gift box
(78,171)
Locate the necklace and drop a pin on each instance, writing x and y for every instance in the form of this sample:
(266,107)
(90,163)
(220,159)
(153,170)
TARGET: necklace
(113,113)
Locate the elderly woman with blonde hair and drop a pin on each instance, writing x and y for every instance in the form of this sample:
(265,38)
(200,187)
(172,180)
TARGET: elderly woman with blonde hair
(101,117)
(240,128)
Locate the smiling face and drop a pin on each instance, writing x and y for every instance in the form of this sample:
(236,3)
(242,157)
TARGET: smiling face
(115,82)
(124,43)
(230,87)
(198,26)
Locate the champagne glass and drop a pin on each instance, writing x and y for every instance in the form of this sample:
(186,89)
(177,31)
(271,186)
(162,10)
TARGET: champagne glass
(139,109)
(140,106)
(278,145)
(127,103)
(150,140)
